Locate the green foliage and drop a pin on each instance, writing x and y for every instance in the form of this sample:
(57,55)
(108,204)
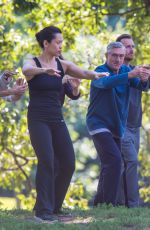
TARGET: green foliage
(76,196)
(16,153)
(7,203)
(27,201)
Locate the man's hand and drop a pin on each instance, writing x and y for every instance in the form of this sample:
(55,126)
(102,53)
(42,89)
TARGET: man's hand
(145,66)
(140,71)
(144,73)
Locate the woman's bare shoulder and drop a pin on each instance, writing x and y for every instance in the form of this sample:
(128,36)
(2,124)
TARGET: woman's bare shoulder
(30,62)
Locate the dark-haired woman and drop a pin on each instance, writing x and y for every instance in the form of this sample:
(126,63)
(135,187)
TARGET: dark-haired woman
(48,132)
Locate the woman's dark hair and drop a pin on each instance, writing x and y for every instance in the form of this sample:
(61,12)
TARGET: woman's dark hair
(48,34)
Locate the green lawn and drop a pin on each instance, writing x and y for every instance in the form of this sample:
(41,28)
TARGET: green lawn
(101,218)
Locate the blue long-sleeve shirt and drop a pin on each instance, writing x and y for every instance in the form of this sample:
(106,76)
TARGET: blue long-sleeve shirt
(109,101)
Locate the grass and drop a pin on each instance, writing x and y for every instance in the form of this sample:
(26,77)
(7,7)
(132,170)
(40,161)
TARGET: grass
(101,218)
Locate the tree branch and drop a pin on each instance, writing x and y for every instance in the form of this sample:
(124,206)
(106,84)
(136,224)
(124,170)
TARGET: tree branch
(19,166)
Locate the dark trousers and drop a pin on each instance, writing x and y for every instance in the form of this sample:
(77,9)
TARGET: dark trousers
(108,149)
(51,142)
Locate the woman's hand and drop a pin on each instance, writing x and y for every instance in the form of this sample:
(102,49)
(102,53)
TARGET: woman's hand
(102,74)
(74,82)
(7,75)
(52,71)
(20,87)
(21,81)
(30,70)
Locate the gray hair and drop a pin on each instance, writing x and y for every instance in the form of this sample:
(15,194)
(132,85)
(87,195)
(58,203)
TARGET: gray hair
(114,45)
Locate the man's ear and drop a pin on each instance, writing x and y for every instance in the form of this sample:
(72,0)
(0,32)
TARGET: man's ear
(106,55)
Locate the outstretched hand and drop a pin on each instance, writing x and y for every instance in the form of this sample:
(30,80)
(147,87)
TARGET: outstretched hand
(21,81)
(144,74)
(102,74)
(145,66)
(52,71)
(74,82)
(143,71)
(20,86)
(8,75)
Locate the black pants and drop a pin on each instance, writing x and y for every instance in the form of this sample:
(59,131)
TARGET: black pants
(51,142)
(108,149)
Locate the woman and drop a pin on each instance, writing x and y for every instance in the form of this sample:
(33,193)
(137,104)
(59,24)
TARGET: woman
(48,132)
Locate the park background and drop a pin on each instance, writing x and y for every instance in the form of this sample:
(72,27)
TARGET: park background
(87,26)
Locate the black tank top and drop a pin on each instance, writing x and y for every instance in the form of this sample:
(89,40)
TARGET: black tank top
(44,92)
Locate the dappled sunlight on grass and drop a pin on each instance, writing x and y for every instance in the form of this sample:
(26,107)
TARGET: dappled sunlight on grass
(7,203)
(100,218)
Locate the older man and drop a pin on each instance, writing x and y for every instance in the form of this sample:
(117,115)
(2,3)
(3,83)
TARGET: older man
(107,115)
